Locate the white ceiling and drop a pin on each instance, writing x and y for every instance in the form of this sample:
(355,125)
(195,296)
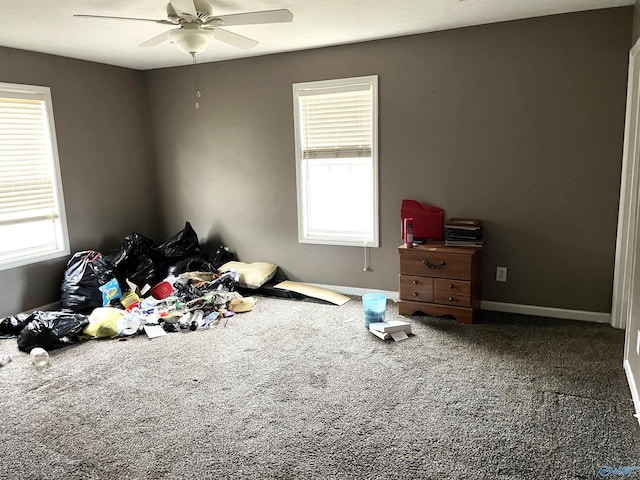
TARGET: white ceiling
(48,25)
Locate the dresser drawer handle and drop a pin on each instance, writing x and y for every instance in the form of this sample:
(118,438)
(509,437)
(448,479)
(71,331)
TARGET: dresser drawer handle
(416,294)
(451,285)
(415,282)
(431,265)
(451,299)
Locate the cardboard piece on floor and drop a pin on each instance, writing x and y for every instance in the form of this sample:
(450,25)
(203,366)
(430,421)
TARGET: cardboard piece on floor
(315,292)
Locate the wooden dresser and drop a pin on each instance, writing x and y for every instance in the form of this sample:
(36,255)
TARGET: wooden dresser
(439,280)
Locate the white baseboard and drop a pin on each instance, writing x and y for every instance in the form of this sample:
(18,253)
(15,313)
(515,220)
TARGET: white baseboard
(633,388)
(563,313)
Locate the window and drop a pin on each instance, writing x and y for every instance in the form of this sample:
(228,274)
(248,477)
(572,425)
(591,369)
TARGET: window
(32,219)
(336,130)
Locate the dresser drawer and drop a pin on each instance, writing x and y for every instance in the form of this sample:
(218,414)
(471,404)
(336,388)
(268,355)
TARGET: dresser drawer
(419,289)
(436,264)
(452,286)
(448,298)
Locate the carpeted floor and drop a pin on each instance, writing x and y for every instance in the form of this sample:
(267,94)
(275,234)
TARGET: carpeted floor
(300,390)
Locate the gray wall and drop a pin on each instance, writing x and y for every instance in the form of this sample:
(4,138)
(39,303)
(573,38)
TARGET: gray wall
(101,116)
(519,124)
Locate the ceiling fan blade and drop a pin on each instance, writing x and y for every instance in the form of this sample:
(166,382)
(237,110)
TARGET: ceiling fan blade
(163,22)
(233,38)
(252,18)
(157,40)
(184,7)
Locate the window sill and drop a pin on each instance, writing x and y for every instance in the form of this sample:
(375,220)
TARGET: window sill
(339,242)
(28,260)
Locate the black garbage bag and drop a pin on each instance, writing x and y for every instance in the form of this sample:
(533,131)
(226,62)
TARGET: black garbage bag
(51,330)
(137,261)
(193,264)
(13,325)
(222,256)
(183,244)
(86,272)
(141,261)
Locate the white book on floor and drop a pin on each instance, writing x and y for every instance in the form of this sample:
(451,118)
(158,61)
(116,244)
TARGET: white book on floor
(391,326)
(382,335)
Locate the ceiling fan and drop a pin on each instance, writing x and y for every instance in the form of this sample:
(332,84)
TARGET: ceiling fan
(197,25)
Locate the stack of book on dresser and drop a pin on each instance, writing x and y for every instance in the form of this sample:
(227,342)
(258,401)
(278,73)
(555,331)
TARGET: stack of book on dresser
(395,329)
(463,232)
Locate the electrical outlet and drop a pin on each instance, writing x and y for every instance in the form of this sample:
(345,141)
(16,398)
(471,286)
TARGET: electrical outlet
(501,274)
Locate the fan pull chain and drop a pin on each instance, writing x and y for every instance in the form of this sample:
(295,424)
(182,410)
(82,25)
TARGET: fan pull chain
(198,94)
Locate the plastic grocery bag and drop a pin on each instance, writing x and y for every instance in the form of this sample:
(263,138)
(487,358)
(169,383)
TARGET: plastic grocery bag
(110,291)
(86,272)
(51,330)
(103,323)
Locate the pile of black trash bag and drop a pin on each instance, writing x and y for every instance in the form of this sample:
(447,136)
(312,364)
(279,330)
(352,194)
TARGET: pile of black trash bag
(48,330)
(139,260)
(143,262)
(89,274)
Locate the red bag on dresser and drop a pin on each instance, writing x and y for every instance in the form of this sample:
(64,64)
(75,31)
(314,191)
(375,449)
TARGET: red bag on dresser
(428,221)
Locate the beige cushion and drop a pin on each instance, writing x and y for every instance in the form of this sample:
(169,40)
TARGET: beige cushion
(252,275)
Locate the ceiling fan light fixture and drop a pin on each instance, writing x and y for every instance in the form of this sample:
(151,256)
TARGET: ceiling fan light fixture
(190,40)
(196,25)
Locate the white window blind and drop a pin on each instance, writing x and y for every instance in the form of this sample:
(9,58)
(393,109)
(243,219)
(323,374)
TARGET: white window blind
(32,226)
(336,161)
(26,190)
(336,122)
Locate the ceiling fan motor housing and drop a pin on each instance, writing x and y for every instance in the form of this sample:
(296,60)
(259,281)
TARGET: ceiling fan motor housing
(203,9)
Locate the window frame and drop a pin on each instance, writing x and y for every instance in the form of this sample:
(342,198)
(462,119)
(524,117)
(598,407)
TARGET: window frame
(303,236)
(35,254)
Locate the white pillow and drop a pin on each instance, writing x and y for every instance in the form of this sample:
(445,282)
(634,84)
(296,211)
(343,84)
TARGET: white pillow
(252,275)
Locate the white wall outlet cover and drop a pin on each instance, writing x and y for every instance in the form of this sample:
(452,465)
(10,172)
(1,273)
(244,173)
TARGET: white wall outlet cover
(501,274)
